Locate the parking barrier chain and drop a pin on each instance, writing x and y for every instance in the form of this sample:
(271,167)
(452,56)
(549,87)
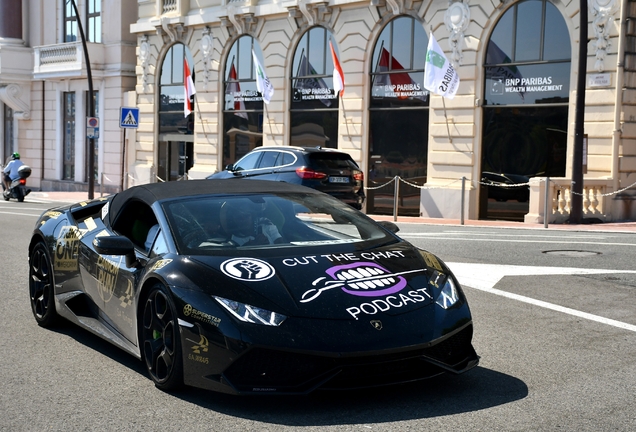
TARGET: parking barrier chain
(603,195)
(410,184)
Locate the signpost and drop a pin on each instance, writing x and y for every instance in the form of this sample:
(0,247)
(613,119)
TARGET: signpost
(92,127)
(128,119)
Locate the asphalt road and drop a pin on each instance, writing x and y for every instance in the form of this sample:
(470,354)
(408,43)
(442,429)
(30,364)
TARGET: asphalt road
(555,326)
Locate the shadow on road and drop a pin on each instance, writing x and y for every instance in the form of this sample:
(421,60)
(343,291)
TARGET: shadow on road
(444,395)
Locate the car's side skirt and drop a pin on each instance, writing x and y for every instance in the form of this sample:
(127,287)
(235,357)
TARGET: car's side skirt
(92,324)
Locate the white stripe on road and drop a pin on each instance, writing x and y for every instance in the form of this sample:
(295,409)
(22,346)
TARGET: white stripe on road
(21,214)
(561,242)
(485,276)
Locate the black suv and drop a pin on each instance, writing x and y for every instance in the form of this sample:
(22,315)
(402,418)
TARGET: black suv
(326,170)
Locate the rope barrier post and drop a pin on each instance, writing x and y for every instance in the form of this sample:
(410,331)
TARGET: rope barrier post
(461,215)
(101,186)
(545,206)
(395,197)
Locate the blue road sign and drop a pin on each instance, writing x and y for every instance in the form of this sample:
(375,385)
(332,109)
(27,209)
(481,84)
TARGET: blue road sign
(129,118)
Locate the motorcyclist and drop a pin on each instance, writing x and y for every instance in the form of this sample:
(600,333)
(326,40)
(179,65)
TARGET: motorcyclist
(10,172)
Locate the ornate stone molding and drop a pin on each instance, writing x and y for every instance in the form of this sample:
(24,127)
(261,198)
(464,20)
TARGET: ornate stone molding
(171,32)
(603,12)
(313,13)
(239,22)
(457,19)
(11,95)
(144,57)
(207,46)
(397,6)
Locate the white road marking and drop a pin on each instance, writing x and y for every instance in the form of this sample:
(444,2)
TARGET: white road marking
(485,276)
(21,214)
(514,240)
(498,234)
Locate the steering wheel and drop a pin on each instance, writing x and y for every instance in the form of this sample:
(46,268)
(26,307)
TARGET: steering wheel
(191,231)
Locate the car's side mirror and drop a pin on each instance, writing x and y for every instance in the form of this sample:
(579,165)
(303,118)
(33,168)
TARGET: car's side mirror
(229,167)
(390,226)
(117,245)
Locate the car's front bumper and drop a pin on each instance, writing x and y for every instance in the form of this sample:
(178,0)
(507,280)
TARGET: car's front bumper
(242,368)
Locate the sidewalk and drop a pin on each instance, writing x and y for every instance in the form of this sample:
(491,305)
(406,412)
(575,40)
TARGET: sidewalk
(627,227)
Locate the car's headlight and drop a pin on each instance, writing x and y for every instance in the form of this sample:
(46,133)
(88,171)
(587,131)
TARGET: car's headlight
(449,294)
(251,314)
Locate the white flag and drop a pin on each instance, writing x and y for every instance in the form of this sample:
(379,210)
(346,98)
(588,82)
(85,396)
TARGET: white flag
(439,76)
(262,82)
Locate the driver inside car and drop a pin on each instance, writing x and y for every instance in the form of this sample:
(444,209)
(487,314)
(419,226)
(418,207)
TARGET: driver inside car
(246,227)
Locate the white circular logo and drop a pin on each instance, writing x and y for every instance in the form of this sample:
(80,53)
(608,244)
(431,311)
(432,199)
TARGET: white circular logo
(247,269)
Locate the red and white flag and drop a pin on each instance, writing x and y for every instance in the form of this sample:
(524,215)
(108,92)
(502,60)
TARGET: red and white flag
(233,93)
(338,75)
(189,89)
(401,83)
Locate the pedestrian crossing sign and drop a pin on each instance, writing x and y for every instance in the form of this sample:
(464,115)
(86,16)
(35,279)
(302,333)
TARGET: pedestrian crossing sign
(129,118)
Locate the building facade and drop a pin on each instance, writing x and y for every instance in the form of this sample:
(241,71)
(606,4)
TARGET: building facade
(44,90)
(512,120)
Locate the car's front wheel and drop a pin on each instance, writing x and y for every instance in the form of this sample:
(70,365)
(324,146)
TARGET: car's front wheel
(159,335)
(41,286)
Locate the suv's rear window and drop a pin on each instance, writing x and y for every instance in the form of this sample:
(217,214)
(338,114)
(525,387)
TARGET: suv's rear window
(331,161)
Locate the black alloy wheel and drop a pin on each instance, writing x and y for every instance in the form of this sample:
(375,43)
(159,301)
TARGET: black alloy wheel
(41,285)
(159,335)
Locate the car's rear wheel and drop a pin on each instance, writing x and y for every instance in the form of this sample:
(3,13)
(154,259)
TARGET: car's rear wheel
(41,286)
(159,335)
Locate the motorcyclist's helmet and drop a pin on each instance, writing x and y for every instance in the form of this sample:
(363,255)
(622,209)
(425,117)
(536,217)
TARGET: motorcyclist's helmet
(15,156)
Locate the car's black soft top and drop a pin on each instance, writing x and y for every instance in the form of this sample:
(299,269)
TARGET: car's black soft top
(152,192)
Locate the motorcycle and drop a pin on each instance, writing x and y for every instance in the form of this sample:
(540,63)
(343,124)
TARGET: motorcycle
(18,189)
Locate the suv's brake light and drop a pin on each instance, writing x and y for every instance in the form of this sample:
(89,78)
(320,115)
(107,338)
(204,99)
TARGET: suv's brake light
(306,173)
(358,175)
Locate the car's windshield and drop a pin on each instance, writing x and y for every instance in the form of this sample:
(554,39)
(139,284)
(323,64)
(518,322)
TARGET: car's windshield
(209,224)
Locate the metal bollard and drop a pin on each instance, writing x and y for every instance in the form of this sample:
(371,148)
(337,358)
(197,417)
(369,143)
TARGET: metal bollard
(545,204)
(461,216)
(395,197)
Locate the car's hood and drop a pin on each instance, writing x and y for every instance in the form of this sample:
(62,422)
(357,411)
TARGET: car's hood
(394,279)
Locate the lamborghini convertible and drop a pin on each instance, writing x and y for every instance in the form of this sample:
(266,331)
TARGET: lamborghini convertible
(253,287)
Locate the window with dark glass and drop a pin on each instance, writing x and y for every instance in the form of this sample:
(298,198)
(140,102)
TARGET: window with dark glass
(94,21)
(398,116)
(526,96)
(243,104)
(172,95)
(70,22)
(314,104)
(528,57)
(68,145)
(176,141)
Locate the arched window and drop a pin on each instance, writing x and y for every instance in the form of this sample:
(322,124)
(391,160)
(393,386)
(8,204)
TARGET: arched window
(314,104)
(398,115)
(176,139)
(243,106)
(527,83)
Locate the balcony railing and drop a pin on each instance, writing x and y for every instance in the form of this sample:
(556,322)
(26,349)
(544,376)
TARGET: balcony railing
(66,59)
(597,197)
(173,7)
(169,6)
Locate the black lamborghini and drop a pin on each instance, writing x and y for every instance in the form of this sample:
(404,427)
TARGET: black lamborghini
(250,287)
